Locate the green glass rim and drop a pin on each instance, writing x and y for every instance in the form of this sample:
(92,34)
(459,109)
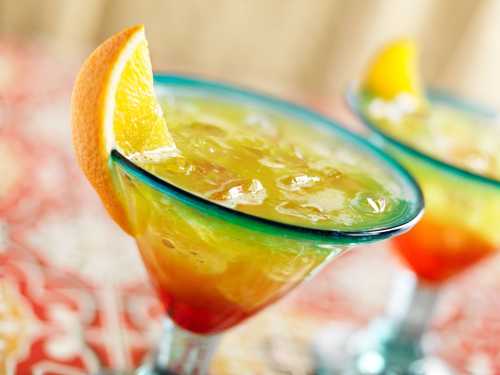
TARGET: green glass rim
(233,92)
(435,96)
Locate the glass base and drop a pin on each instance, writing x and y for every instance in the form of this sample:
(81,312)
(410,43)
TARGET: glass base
(378,350)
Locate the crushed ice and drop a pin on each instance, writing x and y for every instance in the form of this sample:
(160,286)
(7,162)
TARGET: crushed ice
(393,110)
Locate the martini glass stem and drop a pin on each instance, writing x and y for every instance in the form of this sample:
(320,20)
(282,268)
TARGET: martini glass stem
(181,352)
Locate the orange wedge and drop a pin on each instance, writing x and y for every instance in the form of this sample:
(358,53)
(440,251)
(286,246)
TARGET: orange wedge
(394,70)
(114,107)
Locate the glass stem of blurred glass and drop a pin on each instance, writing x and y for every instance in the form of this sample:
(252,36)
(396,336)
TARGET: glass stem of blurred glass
(397,337)
(410,307)
(391,344)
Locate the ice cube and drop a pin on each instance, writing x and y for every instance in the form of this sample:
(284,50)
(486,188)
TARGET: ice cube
(406,103)
(168,243)
(346,155)
(206,146)
(211,173)
(326,200)
(251,146)
(289,267)
(239,192)
(321,205)
(294,208)
(298,152)
(345,218)
(369,203)
(157,155)
(205,129)
(268,162)
(480,163)
(325,168)
(377,108)
(296,182)
(172,166)
(282,156)
(393,110)
(262,123)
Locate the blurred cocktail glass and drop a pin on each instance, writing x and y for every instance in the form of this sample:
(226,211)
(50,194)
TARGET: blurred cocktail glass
(452,148)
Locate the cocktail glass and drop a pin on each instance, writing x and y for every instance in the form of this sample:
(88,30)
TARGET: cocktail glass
(214,266)
(461,226)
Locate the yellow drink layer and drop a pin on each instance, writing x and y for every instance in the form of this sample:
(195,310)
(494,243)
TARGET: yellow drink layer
(270,166)
(209,272)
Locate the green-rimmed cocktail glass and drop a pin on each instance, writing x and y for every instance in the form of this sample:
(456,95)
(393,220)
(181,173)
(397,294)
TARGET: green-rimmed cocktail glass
(214,266)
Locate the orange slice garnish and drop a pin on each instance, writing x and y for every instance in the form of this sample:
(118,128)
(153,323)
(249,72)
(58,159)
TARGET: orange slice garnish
(114,106)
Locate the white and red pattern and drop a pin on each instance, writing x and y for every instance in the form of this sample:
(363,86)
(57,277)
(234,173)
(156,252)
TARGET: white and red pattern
(65,325)
(67,307)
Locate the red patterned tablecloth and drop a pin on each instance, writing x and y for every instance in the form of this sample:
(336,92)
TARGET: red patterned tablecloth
(67,306)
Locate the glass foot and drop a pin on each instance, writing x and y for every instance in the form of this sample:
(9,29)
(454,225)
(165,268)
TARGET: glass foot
(342,350)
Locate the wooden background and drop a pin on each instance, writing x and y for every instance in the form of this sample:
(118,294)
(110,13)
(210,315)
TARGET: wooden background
(306,48)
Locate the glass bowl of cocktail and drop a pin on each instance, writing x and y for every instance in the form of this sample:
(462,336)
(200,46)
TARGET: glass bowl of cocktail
(452,148)
(233,197)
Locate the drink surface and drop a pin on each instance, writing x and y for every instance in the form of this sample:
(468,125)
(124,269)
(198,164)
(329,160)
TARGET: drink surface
(460,225)
(267,165)
(468,141)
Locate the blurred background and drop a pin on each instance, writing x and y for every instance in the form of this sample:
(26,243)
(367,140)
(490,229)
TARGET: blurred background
(73,293)
(293,47)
